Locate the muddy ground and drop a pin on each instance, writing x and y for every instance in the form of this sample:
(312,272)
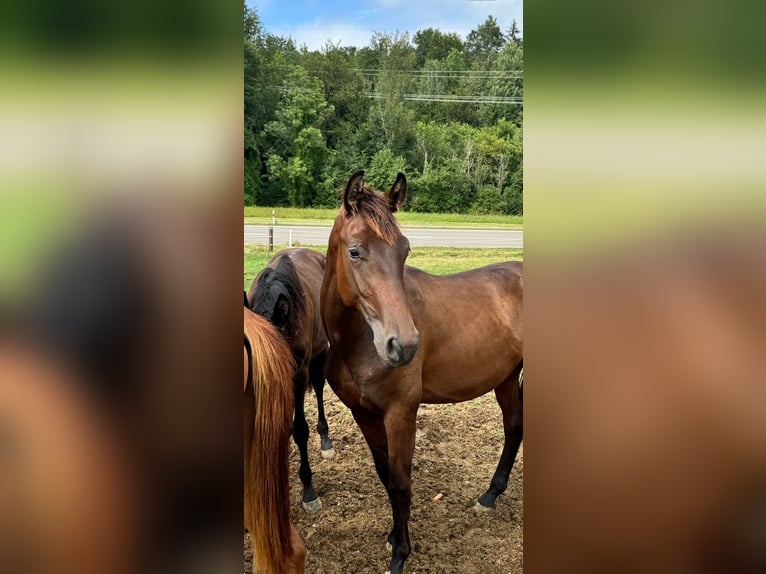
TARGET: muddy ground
(456,452)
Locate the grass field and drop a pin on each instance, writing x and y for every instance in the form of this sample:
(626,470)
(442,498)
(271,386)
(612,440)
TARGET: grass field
(436,260)
(297,216)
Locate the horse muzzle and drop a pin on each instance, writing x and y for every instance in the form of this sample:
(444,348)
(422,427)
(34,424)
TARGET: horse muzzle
(400,352)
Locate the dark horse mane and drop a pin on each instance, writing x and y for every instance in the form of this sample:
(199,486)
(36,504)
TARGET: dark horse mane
(272,283)
(376,210)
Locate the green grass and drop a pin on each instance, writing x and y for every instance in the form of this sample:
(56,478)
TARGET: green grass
(436,260)
(313,216)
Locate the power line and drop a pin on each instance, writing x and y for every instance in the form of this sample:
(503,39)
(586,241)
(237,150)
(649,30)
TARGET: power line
(506,100)
(508,76)
(466,72)
(427,73)
(453,98)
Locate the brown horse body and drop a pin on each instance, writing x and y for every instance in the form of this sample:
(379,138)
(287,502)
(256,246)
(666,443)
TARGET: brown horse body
(277,547)
(69,502)
(286,293)
(400,337)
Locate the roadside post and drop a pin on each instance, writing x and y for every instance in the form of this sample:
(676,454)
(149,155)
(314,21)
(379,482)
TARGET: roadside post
(271,230)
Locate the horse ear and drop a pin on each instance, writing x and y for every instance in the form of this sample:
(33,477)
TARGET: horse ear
(354,191)
(397,193)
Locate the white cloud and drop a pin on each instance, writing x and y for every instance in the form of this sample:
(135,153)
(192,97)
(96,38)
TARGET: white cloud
(449,15)
(315,35)
(459,16)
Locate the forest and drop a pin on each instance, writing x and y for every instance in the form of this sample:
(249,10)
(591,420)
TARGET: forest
(443,109)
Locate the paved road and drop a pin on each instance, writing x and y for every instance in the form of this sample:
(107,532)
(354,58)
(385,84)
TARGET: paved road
(418,236)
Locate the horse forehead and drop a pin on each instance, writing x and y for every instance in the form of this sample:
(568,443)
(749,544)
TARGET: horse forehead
(358,229)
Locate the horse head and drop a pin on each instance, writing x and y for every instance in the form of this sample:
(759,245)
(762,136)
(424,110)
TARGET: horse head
(370,252)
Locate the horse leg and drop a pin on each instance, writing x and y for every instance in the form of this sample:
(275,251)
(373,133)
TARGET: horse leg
(400,434)
(509,396)
(311,501)
(374,433)
(316,374)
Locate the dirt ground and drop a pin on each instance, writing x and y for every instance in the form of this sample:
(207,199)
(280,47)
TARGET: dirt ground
(456,452)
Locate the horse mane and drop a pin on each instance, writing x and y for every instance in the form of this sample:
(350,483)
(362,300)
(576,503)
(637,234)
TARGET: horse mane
(377,213)
(267,505)
(283,280)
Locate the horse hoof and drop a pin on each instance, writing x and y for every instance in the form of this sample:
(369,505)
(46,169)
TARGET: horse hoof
(329,453)
(313,506)
(479,507)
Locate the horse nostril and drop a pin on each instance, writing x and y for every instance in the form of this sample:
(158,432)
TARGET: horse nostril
(393,348)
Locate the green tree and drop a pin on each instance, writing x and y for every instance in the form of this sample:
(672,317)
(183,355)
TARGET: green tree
(393,81)
(514,34)
(344,90)
(445,189)
(485,39)
(296,148)
(310,121)
(298,173)
(431,44)
(383,169)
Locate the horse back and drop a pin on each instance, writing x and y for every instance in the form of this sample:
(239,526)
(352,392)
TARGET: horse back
(471,329)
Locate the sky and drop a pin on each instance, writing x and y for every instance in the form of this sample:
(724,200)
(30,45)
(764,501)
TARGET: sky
(352,22)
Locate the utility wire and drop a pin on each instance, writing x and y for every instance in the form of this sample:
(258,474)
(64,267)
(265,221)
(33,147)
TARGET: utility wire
(453,98)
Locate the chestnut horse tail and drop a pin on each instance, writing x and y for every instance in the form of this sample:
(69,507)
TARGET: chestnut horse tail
(267,503)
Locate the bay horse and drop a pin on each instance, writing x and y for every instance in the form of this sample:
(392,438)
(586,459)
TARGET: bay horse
(400,337)
(68,499)
(286,293)
(268,375)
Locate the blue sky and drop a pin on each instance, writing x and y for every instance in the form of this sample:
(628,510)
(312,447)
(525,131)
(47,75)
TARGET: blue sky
(312,22)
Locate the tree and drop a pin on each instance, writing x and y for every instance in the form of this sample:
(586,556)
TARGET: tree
(513,34)
(259,104)
(310,121)
(443,189)
(298,172)
(344,90)
(253,30)
(296,148)
(397,57)
(434,45)
(383,169)
(485,39)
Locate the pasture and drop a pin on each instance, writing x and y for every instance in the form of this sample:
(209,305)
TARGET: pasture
(456,452)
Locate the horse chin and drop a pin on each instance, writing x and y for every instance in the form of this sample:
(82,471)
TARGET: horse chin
(394,364)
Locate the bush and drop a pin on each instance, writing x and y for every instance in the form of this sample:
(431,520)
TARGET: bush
(441,190)
(383,169)
(489,200)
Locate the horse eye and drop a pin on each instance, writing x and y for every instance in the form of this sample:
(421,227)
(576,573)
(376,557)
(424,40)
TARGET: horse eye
(354,252)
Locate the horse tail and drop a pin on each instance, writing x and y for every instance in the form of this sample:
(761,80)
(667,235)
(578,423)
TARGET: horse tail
(268,407)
